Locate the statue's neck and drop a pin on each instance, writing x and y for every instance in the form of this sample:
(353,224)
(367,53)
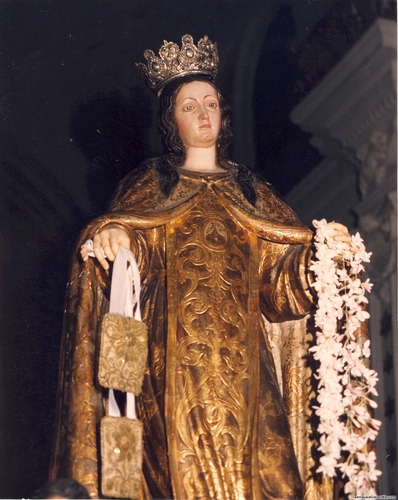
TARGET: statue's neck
(202,160)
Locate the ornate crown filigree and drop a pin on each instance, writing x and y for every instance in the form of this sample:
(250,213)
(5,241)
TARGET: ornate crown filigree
(174,62)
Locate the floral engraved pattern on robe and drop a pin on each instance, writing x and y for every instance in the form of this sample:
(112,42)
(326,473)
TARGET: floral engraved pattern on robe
(214,420)
(212,374)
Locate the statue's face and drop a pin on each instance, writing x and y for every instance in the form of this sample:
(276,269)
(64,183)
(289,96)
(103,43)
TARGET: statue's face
(197,114)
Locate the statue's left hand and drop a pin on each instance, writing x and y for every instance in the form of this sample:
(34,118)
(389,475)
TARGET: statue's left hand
(337,232)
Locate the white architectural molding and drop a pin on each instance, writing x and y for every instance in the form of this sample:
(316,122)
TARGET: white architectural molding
(357,93)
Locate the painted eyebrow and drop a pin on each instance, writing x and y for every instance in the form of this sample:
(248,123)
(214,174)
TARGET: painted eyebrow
(195,99)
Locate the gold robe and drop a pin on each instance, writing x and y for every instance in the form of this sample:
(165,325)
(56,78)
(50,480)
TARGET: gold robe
(226,390)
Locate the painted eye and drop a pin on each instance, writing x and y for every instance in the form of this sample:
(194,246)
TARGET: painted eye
(212,105)
(189,107)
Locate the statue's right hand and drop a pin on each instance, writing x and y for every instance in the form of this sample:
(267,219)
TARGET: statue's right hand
(109,240)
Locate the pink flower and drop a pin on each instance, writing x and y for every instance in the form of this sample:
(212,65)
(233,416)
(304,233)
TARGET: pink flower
(345,383)
(366,285)
(366,349)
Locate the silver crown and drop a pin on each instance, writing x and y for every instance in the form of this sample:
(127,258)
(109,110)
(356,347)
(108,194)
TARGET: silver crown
(174,62)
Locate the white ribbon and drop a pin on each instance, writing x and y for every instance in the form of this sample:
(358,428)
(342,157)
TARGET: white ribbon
(125,295)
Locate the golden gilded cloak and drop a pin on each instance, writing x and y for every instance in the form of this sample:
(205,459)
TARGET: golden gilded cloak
(225,294)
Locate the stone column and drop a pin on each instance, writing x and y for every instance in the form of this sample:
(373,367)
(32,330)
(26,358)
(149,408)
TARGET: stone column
(351,115)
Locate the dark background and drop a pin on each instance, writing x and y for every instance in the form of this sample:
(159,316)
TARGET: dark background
(76,117)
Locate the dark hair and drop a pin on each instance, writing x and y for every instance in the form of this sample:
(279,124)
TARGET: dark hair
(63,487)
(174,149)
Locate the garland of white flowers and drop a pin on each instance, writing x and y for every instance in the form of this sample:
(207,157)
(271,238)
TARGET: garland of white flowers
(345,381)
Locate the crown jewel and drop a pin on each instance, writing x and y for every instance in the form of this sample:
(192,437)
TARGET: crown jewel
(174,62)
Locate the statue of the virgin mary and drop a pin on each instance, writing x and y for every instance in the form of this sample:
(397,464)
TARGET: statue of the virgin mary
(226,290)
